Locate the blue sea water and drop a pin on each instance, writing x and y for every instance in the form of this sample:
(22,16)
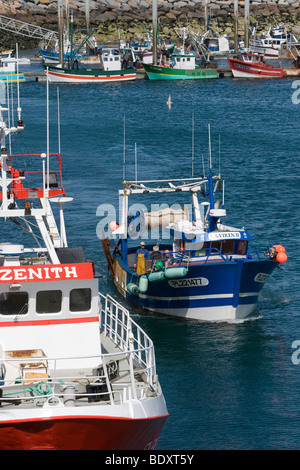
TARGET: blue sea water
(227,385)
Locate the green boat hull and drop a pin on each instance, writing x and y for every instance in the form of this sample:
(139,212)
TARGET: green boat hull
(156,72)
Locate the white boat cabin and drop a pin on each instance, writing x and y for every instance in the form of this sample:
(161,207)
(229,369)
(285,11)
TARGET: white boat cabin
(184,61)
(7,65)
(60,300)
(217,44)
(111,61)
(251,58)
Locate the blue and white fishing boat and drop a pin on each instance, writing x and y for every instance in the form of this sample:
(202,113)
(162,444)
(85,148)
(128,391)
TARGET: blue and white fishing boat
(52,56)
(207,271)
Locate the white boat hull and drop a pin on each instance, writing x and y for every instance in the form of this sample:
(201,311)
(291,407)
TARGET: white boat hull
(213,314)
(240,74)
(270,52)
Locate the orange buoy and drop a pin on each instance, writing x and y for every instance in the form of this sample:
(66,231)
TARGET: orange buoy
(279,248)
(113,226)
(281,257)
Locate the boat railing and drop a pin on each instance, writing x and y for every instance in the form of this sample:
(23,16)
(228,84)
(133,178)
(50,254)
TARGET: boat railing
(117,324)
(35,175)
(258,251)
(68,380)
(59,387)
(183,257)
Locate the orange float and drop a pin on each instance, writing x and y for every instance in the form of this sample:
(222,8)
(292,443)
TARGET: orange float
(281,257)
(279,248)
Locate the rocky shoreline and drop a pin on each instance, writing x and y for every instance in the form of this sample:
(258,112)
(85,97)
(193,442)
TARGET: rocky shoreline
(107,16)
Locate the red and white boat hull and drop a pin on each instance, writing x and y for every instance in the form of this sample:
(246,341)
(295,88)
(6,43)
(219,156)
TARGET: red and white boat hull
(126,427)
(241,69)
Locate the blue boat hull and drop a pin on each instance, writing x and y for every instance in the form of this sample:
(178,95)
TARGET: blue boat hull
(216,291)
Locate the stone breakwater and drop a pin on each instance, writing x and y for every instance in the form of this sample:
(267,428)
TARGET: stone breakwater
(109,15)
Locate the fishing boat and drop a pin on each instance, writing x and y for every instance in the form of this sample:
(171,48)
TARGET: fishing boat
(206,270)
(270,44)
(9,70)
(253,65)
(76,371)
(216,44)
(111,71)
(181,66)
(52,56)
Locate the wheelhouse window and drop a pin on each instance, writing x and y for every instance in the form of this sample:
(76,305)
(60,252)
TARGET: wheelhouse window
(216,246)
(242,247)
(228,247)
(48,301)
(13,303)
(80,300)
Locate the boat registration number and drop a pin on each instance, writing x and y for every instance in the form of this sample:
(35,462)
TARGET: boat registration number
(192,282)
(261,277)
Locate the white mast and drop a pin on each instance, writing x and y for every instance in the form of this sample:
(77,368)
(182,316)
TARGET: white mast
(58,120)
(124,153)
(135,162)
(192,144)
(18,87)
(47,185)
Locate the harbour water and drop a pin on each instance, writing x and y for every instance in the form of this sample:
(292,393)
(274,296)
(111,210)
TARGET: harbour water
(227,385)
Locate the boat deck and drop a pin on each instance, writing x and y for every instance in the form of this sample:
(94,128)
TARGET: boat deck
(117,378)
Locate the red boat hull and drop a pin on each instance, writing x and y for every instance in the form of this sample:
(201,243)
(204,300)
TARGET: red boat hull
(84,433)
(242,69)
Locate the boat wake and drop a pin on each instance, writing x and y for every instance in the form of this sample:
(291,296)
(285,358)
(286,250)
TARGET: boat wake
(237,321)
(275,299)
(245,320)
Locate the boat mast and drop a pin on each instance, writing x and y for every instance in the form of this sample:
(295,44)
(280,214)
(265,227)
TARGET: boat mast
(71,36)
(47,185)
(3,157)
(124,150)
(206,14)
(247,9)
(60,32)
(135,160)
(87,14)
(236,25)
(67,10)
(193,145)
(154,30)
(210,184)
(6,131)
